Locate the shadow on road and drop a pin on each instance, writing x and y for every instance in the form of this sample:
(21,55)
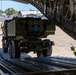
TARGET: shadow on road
(0,49)
(1,56)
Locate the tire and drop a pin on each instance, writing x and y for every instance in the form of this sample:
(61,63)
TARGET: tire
(10,50)
(15,49)
(39,53)
(44,52)
(5,49)
(48,51)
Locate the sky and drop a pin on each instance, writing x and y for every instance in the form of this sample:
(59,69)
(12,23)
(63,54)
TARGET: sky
(16,5)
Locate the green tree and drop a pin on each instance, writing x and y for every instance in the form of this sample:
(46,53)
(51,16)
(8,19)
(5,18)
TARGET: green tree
(1,11)
(10,11)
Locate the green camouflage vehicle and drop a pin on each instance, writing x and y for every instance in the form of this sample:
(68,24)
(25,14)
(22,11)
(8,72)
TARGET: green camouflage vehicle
(24,35)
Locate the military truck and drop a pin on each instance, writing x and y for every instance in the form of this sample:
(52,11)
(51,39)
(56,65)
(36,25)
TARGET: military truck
(25,35)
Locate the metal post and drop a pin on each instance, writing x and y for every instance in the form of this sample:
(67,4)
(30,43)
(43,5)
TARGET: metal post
(44,6)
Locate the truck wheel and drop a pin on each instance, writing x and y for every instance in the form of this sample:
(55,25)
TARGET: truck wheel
(39,53)
(5,49)
(15,49)
(48,51)
(10,50)
(44,52)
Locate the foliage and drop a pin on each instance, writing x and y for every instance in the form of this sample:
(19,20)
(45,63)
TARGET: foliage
(1,11)
(10,11)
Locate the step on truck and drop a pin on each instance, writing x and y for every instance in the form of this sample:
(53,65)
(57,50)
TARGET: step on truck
(25,35)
